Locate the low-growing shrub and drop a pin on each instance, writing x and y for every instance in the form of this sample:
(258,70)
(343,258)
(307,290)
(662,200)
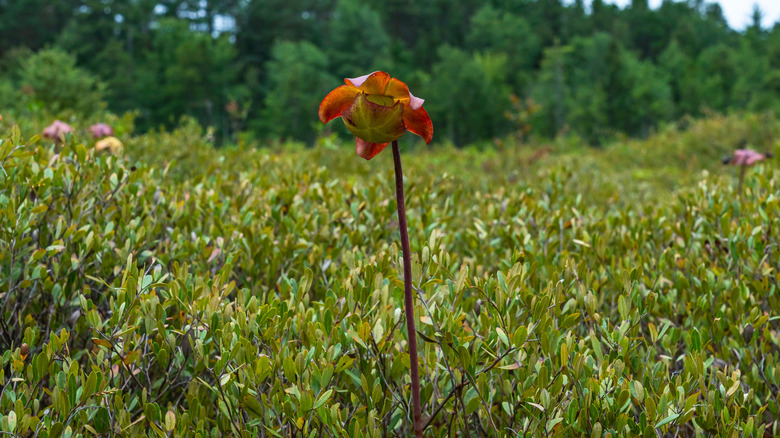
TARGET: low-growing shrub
(253,293)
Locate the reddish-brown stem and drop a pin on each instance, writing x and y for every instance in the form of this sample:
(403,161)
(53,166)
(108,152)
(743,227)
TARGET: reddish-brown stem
(742,170)
(408,296)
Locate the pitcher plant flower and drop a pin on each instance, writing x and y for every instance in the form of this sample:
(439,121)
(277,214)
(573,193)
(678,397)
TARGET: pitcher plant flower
(57,130)
(100,130)
(111,143)
(377,109)
(744,158)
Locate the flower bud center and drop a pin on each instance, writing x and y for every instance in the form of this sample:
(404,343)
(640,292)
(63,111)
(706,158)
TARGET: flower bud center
(380,99)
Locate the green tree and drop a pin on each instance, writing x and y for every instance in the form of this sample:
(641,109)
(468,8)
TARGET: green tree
(715,76)
(424,27)
(51,77)
(104,35)
(467,96)
(650,95)
(32,23)
(297,80)
(604,16)
(498,32)
(594,87)
(356,41)
(187,73)
(751,87)
(590,104)
(551,91)
(261,22)
(773,47)
(679,68)
(649,36)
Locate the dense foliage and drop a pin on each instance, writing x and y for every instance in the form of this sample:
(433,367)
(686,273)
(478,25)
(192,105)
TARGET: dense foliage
(171,289)
(260,66)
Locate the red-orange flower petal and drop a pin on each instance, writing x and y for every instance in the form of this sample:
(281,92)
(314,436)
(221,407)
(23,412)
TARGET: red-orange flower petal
(373,83)
(367,149)
(337,101)
(418,122)
(398,90)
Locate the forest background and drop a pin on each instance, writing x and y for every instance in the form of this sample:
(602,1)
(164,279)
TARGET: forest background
(257,69)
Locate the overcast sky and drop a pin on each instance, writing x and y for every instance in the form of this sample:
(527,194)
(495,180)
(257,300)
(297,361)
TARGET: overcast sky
(737,12)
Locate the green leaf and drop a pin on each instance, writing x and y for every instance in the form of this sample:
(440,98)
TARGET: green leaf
(667,420)
(597,348)
(344,363)
(250,404)
(356,337)
(323,399)
(89,387)
(101,422)
(471,400)
(520,336)
(570,320)
(639,391)
(170,421)
(502,335)
(11,421)
(460,282)
(37,255)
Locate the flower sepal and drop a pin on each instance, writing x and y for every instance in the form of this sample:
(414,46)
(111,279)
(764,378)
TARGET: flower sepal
(374,122)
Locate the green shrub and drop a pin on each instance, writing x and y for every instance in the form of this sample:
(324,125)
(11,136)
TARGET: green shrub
(185,291)
(50,78)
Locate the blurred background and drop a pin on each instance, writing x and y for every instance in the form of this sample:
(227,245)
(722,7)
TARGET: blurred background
(256,70)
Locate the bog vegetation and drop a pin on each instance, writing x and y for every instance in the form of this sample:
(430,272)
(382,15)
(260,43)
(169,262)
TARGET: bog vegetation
(168,288)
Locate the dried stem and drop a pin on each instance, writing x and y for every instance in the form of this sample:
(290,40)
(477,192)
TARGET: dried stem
(408,296)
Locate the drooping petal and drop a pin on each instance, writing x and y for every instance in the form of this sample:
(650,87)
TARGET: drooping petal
(337,101)
(754,157)
(400,91)
(739,157)
(418,122)
(358,81)
(415,102)
(367,149)
(374,83)
(373,122)
(397,89)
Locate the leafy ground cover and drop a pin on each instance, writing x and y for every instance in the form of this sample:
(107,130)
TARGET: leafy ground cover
(173,289)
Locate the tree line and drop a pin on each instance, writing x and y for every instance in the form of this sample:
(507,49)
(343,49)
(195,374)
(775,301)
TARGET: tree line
(487,69)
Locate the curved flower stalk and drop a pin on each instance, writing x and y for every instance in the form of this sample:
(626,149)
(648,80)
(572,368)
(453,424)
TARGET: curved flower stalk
(378,110)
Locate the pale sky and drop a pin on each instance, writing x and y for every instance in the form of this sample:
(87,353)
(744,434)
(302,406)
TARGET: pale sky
(737,12)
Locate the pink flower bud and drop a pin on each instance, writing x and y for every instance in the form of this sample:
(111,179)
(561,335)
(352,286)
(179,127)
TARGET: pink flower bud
(57,130)
(746,157)
(101,130)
